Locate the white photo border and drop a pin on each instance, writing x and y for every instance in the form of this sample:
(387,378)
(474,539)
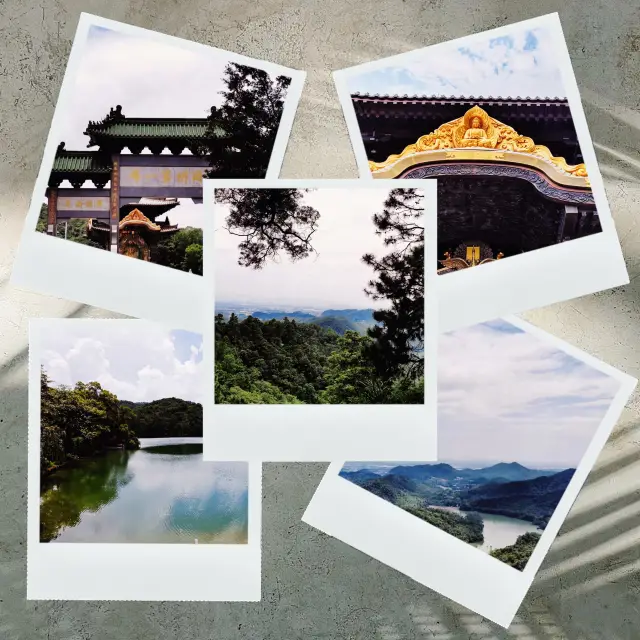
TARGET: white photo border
(562,271)
(322,432)
(93,571)
(61,268)
(437,559)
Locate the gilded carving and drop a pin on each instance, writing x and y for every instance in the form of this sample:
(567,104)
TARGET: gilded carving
(136,218)
(476,129)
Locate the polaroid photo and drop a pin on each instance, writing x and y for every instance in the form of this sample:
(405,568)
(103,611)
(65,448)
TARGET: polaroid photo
(121,504)
(141,119)
(321,335)
(522,419)
(496,117)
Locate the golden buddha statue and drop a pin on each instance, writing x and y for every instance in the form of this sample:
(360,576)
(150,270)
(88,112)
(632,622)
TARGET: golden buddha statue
(478,129)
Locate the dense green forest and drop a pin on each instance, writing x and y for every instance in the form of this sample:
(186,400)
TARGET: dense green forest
(85,420)
(181,250)
(326,360)
(80,422)
(166,418)
(517,555)
(287,362)
(76,229)
(467,528)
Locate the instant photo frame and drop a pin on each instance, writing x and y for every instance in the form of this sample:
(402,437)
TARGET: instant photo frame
(321,431)
(100,278)
(543,276)
(131,571)
(437,559)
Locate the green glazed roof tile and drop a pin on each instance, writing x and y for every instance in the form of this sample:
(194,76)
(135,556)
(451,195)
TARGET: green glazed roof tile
(86,162)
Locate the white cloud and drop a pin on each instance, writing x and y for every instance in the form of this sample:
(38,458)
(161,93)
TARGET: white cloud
(510,396)
(138,362)
(523,64)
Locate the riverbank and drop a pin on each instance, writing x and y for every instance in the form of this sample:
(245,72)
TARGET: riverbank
(498,531)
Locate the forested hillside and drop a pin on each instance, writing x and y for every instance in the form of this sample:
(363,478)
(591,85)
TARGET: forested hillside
(166,418)
(287,362)
(345,356)
(485,490)
(517,555)
(80,422)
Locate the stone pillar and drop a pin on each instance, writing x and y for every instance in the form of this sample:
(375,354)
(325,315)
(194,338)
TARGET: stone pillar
(114,202)
(52,210)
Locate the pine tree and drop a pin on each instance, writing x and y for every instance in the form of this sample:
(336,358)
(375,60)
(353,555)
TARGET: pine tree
(241,133)
(399,338)
(269,220)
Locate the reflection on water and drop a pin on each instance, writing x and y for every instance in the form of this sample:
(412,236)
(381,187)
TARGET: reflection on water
(162,493)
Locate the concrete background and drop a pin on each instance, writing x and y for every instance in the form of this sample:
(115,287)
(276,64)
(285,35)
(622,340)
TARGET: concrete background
(314,586)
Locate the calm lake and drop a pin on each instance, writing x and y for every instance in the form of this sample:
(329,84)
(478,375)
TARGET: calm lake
(162,493)
(499,531)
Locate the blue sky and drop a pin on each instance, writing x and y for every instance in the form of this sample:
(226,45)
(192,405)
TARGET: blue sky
(521,63)
(138,361)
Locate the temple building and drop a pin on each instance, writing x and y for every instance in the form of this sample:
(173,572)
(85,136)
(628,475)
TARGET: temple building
(139,169)
(138,230)
(511,176)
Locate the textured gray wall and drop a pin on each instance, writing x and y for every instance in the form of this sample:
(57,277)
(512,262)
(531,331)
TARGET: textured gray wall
(314,586)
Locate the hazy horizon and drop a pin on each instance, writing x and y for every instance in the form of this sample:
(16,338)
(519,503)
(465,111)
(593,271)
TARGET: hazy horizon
(473,464)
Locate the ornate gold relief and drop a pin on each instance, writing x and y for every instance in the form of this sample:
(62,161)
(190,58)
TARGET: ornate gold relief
(137,218)
(476,129)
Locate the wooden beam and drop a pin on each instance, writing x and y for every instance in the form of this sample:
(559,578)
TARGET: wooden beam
(52,210)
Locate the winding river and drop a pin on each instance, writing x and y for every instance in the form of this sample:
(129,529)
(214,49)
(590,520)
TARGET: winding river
(499,531)
(162,493)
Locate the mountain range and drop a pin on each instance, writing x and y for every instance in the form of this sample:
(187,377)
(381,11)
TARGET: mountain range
(508,489)
(340,320)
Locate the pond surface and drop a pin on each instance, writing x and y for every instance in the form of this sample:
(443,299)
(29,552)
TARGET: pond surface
(499,531)
(162,493)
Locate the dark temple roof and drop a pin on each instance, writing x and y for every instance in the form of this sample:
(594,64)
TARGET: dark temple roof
(454,99)
(149,128)
(81,162)
(389,123)
(116,131)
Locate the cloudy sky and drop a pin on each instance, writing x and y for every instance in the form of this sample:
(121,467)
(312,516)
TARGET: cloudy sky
(335,277)
(137,361)
(504,396)
(519,64)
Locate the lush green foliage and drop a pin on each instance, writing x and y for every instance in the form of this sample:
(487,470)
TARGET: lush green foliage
(468,528)
(166,418)
(398,338)
(533,500)
(242,132)
(286,362)
(517,555)
(181,250)
(76,229)
(80,422)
